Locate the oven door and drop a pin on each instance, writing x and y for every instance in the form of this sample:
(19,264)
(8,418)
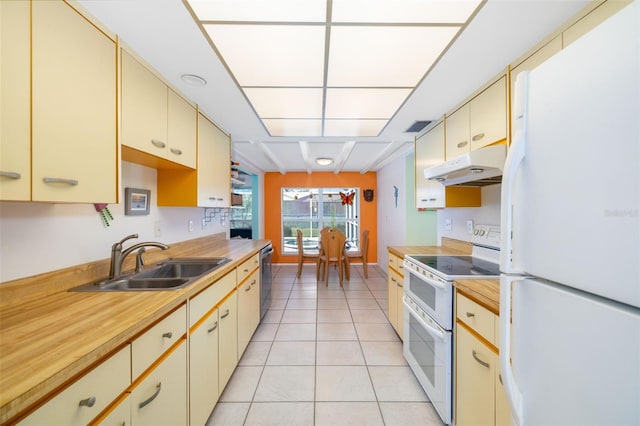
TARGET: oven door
(428,351)
(432,294)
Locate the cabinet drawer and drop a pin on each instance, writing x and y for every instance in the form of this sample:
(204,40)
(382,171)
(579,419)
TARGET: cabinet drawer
(247,267)
(203,302)
(475,316)
(148,347)
(87,397)
(393,261)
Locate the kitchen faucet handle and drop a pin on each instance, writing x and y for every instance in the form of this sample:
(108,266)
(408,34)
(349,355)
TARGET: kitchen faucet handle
(128,237)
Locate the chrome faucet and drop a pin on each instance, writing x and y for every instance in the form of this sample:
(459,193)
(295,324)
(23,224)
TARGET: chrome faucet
(118,254)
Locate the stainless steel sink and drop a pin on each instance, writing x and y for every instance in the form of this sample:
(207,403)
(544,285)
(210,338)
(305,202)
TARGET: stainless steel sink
(168,275)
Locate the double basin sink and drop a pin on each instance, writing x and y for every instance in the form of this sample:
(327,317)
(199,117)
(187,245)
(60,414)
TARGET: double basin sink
(170,274)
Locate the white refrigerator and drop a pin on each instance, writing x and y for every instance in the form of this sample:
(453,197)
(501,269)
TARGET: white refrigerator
(570,249)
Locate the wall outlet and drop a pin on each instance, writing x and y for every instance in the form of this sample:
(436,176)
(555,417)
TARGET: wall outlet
(447,224)
(190,225)
(470,226)
(157,230)
(204,223)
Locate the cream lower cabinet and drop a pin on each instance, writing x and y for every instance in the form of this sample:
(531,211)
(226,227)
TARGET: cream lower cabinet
(248,309)
(87,397)
(119,415)
(227,339)
(161,397)
(479,398)
(395,294)
(204,348)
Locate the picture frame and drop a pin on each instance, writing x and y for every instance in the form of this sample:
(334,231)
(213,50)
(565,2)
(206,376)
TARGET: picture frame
(136,201)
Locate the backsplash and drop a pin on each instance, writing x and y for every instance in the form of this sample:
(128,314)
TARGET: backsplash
(41,237)
(488,214)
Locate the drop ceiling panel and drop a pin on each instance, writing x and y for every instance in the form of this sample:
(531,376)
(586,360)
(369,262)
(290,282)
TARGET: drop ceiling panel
(403,11)
(293,127)
(363,154)
(288,154)
(286,102)
(364,103)
(353,128)
(260,10)
(272,55)
(363,56)
(252,153)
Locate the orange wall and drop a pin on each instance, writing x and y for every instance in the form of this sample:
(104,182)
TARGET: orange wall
(274,182)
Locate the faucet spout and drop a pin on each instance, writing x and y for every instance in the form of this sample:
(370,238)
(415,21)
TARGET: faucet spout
(118,254)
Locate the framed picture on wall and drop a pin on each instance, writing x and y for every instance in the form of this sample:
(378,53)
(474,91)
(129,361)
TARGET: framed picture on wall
(136,201)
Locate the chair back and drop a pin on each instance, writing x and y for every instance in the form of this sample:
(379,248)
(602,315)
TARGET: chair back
(333,244)
(365,245)
(299,242)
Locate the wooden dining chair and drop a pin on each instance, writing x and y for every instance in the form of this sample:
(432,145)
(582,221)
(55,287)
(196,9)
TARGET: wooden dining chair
(362,253)
(332,252)
(302,255)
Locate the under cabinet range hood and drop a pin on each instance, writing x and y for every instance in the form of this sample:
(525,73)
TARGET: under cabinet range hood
(480,167)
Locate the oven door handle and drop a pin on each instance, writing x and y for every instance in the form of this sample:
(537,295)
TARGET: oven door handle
(428,280)
(438,334)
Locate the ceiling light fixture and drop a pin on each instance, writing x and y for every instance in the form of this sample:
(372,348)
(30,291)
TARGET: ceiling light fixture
(323,161)
(193,80)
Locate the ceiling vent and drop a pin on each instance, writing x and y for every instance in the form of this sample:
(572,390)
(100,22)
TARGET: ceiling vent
(418,126)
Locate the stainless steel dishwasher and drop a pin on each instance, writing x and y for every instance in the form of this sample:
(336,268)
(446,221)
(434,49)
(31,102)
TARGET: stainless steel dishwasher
(265,279)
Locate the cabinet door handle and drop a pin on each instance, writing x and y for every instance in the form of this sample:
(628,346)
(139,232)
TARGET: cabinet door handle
(400,285)
(176,151)
(500,378)
(394,280)
(215,325)
(72,182)
(248,288)
(463,144)
(481,362)
(157,143)
(253,282)
(152,397)
(477,137)
(88,402)
(470,315)
(226,314)
(10,175)
(168,335)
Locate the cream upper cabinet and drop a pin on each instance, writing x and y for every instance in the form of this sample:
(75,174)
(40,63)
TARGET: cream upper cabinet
(214,165)
(429,151)
(181,130)
(481,121)
(74,139)
(488,115)
(15,151)
(155,119)
(87,397)
(144,108)
(457,136)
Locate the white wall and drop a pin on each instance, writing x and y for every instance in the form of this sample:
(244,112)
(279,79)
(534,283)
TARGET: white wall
(488,214)
(41,237)
(391,218)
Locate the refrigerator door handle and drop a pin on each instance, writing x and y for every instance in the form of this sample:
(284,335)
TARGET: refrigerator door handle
(512,164)
(509,382)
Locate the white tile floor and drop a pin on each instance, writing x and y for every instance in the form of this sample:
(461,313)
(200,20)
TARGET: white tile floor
(324,356)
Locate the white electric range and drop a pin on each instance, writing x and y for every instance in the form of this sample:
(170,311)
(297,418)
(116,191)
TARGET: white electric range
(428,314)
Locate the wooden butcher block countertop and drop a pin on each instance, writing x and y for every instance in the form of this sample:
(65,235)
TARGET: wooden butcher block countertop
(484,292)
(49,336)
(449,247)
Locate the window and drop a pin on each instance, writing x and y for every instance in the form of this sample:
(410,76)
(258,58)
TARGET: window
(311,209)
